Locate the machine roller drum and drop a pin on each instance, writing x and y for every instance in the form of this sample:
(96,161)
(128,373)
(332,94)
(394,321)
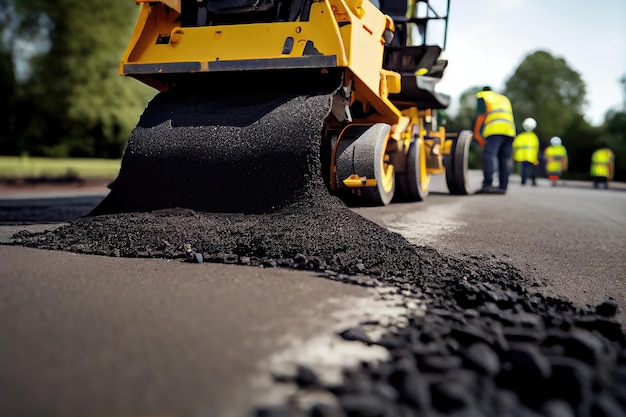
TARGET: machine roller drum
(361,154)
(456,164)
(414,182)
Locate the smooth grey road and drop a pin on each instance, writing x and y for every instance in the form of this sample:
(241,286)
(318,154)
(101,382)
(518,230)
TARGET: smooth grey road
(89,335)
(571,238)
(85,335)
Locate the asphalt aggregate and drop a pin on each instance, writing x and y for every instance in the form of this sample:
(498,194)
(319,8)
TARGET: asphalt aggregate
(240,183)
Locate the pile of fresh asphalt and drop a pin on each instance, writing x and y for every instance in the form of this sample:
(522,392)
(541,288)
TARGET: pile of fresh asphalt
(239,183)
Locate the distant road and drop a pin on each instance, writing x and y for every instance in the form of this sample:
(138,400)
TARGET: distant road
(49,203)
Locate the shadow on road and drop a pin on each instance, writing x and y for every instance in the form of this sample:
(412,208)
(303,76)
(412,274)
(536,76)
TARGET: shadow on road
(49,209)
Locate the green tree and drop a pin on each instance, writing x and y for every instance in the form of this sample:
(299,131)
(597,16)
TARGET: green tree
(466,115)
(8,83)
(8,97)
(546,88)
(614,137)
(22,34)
(464,120)
(79,104)
(580,140)
(9,92)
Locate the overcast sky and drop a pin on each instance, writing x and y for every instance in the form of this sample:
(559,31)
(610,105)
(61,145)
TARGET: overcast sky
(488,39)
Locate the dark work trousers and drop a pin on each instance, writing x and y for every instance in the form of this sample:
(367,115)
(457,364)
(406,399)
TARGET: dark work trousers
(528,170)
(497,155)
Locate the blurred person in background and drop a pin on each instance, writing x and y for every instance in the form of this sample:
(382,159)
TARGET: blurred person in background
(602,167)
(496,126)
(556,160)
(526,151)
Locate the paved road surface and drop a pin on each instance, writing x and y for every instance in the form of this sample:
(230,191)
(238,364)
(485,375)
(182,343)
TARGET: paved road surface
(571,238)
(152,337)
(143,336)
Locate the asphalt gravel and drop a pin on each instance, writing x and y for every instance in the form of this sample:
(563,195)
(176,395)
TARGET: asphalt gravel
(240,183)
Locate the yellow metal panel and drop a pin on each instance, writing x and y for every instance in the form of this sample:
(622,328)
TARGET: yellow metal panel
(234,42)
(393,81)
(140,27)
(435,171)
(363,42)
(173,4)
(354,181)
(349,30)
(356,7)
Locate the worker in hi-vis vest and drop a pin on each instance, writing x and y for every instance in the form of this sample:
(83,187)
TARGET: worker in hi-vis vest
(526,151)
(496,128)
(556,160)
(602,167)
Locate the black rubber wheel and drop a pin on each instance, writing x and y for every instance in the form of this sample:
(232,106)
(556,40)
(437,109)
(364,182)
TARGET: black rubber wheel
(413,184)
(456,164)
(361,151)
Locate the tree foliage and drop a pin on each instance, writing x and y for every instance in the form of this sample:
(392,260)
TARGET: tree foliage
(7,98)
(464,120)
(545,88)
(8,84)
(614,137)
(467,110)
(77,103)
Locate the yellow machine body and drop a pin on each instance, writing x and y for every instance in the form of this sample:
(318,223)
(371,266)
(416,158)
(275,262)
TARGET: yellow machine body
(346,34)
(353,37)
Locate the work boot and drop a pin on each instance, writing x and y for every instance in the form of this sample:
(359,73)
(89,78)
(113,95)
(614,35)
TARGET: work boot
(489,189)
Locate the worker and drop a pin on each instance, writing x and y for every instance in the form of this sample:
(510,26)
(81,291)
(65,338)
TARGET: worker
(556,160)
(496,128)
(526,151)
(602,167)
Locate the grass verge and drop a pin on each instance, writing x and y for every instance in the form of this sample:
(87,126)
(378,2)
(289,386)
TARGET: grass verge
(23,168)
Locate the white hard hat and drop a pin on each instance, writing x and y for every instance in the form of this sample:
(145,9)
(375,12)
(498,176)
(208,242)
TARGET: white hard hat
(555,141)
(529,124)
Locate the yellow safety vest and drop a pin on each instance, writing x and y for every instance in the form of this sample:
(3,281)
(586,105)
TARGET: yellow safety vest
(526,148)
(556,159)
(602,163)
(498,116)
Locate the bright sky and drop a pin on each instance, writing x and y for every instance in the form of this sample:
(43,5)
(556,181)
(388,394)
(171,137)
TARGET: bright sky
(488,39)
